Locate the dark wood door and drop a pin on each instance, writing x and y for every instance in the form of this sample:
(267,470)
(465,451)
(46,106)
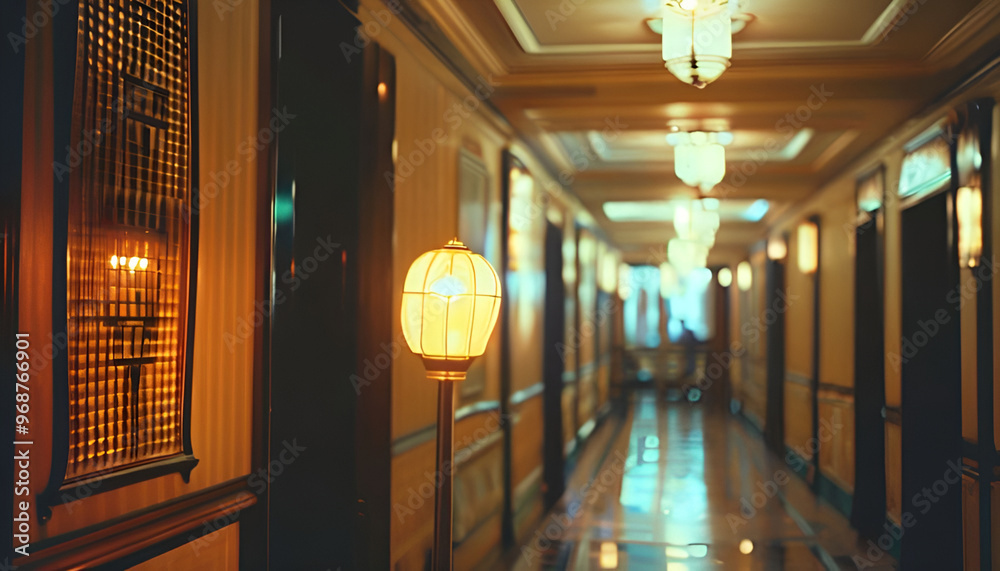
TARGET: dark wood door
(931,388)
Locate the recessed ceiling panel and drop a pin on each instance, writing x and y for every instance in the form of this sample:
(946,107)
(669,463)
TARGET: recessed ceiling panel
(597,25)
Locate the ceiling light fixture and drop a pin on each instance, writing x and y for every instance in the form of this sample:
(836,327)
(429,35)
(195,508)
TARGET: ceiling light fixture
(700,157)
(698,39)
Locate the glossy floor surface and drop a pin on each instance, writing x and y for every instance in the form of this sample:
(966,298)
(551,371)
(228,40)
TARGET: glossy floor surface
(682,486)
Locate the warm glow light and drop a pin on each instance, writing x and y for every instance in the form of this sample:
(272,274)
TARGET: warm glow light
(746,547)
(114,262)
(669,281)
(676,552)
(624,281)
(725,277)
(122,261)
(143,263)
(969,207)
(776,248)
(382,89)
(451,301)
(609,555)
(744,275)
(686,255)
(697,40)
(700,158)
(808,246)
(133,262)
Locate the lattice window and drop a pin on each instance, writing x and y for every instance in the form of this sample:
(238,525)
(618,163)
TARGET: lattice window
(130,236)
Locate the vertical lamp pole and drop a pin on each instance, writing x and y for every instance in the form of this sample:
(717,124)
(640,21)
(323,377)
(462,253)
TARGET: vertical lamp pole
(451,301)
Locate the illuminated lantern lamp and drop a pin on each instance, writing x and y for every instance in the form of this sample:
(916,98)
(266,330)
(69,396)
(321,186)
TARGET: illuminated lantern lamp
(451,302)
(808,245)
(744,276)
(969,207)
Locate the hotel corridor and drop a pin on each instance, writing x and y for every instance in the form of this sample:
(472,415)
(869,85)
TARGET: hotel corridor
(684,487)
(490,285)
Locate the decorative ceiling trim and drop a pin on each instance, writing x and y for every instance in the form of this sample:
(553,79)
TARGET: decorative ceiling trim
(591,144)
(529,41)
(958,37)
(464,34)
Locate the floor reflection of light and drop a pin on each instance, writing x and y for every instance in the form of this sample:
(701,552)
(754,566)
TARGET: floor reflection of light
(676,552)
(746,547)
(671,566)
(609,555)
(698,550)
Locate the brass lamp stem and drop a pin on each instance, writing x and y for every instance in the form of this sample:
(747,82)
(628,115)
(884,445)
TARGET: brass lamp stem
(443,512)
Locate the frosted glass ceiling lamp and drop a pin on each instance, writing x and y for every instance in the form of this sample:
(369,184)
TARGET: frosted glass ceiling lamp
(700,157)
(697,40)
(669,281)
(686,255)
(694,222)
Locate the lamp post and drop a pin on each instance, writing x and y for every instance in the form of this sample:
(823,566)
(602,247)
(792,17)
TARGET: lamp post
(451,302)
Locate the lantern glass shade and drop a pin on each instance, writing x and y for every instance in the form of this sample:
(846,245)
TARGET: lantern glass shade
(697,44)
(725,277)
(744,276)
(700,157)
(808,246)
(451,302)
(969,206)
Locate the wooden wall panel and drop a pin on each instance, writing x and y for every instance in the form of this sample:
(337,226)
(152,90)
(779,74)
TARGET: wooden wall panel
(894,471)
(836,456)
(799,317)
(970,523)
(217,550)
(967,316)
(798,416)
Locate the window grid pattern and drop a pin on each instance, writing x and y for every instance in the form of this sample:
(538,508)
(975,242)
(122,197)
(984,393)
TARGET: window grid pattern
(129,236)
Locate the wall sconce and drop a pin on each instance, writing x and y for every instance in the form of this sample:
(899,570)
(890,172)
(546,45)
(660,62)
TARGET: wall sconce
(808,246)
(451,302)
(969,207)
(744,276)
(725,277)
(777,249)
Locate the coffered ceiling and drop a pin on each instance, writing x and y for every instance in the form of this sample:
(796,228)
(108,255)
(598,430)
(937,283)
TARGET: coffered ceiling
(813,84)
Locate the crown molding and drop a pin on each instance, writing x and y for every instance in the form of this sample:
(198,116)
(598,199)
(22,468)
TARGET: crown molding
(952,47)
(464,35)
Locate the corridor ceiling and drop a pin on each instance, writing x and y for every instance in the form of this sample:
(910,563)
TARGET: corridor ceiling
(813,84)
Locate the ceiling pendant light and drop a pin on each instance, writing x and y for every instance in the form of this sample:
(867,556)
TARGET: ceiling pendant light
(700,157)
(695,222)
(697,39)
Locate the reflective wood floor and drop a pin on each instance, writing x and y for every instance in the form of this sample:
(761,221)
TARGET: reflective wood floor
(682,487)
